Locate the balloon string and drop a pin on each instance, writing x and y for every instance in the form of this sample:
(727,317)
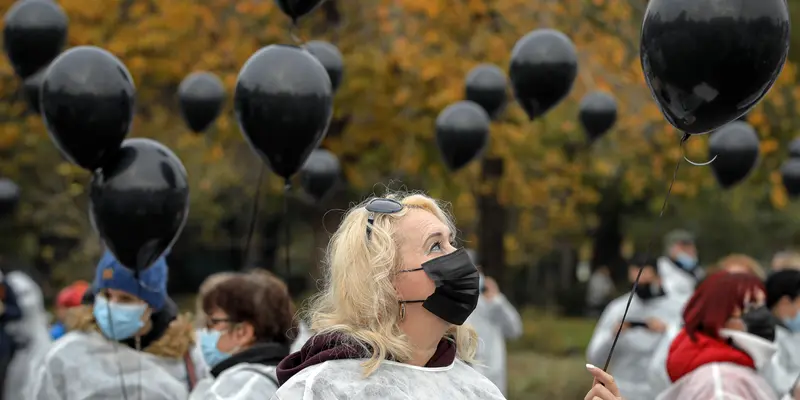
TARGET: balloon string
(287,228)
(641,267)
(137,342)
(254,214)
(116,351)
(294,33)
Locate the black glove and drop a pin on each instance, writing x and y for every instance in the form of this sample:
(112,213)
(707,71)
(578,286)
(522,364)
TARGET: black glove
(760,322)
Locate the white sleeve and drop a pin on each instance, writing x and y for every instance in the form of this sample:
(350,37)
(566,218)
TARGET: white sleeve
(778,377)
(657,372)
(603,337)
(506,317)
(45,386)
(240,385)
(29,295)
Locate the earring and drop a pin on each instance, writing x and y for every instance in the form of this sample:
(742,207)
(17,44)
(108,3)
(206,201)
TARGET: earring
(402,311)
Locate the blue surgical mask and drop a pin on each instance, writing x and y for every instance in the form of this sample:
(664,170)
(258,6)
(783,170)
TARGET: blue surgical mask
(209,339)
(118,321)
(793,323)
(686,261)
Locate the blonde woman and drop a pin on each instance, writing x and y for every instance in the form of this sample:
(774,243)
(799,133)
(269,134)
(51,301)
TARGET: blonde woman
(740,263)
(388,320)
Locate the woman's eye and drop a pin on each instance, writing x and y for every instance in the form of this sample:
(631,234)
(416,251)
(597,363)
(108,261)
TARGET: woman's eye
(436,246)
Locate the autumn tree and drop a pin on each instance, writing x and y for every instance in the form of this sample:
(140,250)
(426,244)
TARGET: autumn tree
(405,61)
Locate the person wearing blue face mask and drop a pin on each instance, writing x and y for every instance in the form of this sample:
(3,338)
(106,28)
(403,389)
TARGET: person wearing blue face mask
(129,342)
(679,268)
(783,299)
(250,327)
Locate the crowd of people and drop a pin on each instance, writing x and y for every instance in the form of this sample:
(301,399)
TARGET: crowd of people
(401,314)
(729,331)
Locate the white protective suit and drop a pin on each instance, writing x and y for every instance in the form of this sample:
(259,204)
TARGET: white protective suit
(31,330)
(720,381)
(636,346)
(84,365)
(784,368)
(675,280)
(303,335)
(495,321)
(657,376)
(343,380)
(727,381)
(241,382)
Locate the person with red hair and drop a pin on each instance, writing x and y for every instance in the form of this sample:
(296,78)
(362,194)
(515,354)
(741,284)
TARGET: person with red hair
(68,297)
(727,338)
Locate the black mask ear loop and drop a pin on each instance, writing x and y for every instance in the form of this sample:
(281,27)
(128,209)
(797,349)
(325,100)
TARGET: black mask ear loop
(404,302)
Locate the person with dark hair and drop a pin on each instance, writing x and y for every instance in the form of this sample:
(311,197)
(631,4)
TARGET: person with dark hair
(783,299)
(651,314)
(130,342)
(725,343)
(495,320)
(249,329)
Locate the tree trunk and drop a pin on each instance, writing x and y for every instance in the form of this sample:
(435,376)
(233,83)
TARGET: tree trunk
(607,238)
(492,217)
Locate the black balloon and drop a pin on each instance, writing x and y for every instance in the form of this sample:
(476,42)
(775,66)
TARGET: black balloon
(790,173)
(708,62)
(462,133)
(33,86)
(9,197)
(201,97)
(34,34)
(736,148)
(544,64)
(87,102)
(139,202)
(331,58)
(794,148)
(298,8)
(598,113)
(284,104)
(486,86)
(320,173)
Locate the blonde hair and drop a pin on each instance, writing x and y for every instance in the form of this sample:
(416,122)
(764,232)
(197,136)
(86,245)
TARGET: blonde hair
(359,300)
(786,260)
(744,260)
(209,283)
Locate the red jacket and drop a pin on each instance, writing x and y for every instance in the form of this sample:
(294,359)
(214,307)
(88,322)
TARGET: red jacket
(686,355)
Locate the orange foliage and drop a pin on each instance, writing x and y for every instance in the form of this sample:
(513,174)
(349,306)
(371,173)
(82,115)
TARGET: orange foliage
(405,61)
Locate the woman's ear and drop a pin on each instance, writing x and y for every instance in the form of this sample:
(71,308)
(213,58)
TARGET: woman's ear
(247,332)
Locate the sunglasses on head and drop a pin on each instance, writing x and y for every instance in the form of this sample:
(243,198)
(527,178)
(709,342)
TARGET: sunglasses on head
(380,206)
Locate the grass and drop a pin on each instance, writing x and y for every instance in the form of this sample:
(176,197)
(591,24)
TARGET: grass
(533,376)
(549,361)
(552,334)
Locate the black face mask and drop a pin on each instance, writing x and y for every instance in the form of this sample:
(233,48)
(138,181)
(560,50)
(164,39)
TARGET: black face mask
(647,291)
(760,322)
(457,287)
